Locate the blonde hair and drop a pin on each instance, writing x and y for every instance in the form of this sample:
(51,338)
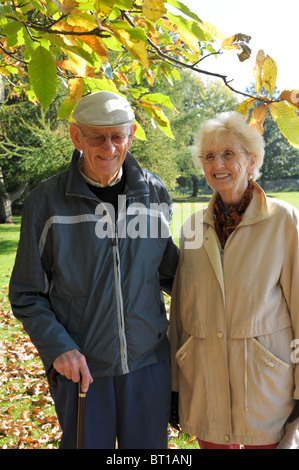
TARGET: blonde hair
(235,124)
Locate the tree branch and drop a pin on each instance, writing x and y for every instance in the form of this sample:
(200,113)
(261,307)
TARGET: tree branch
(193,67)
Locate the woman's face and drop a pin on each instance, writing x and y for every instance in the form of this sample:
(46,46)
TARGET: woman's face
(227,166)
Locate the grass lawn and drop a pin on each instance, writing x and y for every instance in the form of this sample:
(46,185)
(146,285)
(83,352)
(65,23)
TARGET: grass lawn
(27,416)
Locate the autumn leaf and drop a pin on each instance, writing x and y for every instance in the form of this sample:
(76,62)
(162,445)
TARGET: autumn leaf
(76,88)
(83,20)
(269,74)
(258,117)
(245,106)
(104,7)
(153,9)
(137,47)
(257,71)
(238,41)
(96,44)
(291,96)
(213,30)
(189,31)
(65,6)
(287,121)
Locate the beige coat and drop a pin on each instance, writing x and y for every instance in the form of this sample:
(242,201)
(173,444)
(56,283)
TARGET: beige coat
(233,317)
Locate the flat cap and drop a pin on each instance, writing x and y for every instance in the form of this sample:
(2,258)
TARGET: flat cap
(104,109)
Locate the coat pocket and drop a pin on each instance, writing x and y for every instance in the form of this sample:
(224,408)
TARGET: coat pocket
(184,352)
(266,359)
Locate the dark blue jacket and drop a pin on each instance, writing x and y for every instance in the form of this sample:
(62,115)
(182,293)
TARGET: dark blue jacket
(72,287)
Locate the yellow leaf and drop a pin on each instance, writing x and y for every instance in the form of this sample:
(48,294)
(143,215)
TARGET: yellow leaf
(153,9)
(76,65)
(4,71)
(291,96)
(137,47)
(287,121)
(269,74)
(257,71)
(212,29)
(84,20)
(104,7)
(76,88)
(96,44)
(139,134)
(258,116)
(65,6)
(245,106)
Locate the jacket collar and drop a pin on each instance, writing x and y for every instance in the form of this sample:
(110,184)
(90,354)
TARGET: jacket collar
(135,182)
(257,210)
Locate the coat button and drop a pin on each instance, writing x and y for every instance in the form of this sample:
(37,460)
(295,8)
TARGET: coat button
(227,438)
(220,334)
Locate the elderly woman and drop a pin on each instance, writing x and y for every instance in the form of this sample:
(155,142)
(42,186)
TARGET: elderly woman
(235,302)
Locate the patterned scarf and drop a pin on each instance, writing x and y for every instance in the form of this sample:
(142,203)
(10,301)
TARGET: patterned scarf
(227,218)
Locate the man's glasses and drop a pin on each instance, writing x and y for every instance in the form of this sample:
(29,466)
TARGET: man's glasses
(226,156)
(96,140)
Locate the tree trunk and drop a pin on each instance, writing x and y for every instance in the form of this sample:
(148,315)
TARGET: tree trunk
(6,200)
(195,186)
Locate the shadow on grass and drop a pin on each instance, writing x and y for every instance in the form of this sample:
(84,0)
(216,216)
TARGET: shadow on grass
(8,246)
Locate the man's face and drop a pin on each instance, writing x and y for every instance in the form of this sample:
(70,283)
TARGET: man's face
(104,149)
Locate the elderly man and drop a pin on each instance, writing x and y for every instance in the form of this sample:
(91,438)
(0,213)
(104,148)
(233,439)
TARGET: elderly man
(87,283)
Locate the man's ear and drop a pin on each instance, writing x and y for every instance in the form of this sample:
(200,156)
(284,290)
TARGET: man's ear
(75,136)
(132,132)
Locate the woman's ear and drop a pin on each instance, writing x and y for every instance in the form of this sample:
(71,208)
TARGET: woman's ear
(252,162)
(75,136)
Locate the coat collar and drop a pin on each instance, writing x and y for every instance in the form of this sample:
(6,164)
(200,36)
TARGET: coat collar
(257,210)
(135,182)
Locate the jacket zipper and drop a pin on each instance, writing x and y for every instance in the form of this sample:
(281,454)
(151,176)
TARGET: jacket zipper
(119,304)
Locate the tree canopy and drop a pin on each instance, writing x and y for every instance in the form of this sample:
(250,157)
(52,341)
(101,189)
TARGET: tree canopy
(112,44)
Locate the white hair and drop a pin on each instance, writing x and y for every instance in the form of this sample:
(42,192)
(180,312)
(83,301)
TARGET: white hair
(230,123)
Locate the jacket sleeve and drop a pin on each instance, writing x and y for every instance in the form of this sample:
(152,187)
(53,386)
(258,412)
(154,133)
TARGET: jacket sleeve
(160,196)
(168,266)
(175,326)
(29,288)
(289,281)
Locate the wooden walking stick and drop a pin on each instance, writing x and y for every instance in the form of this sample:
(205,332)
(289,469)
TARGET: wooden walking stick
(81,418)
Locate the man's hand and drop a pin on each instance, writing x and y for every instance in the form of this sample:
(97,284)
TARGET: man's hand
(73,365)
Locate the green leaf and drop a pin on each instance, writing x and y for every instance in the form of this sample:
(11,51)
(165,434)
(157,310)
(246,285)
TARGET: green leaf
(287,121)
(139,134)
(11,28)
(123,4)
(42,76)
(158,98)
(66,109)
(167,131)
(183,8)
(189,31)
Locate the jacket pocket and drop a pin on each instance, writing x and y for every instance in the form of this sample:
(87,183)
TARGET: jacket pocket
(184,352)
(266,359)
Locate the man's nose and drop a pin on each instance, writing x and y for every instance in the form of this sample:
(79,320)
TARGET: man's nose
(108,145)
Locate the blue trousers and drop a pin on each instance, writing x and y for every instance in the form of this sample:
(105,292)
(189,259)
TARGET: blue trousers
(133,409)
